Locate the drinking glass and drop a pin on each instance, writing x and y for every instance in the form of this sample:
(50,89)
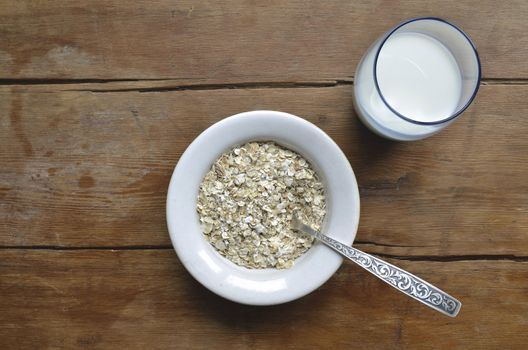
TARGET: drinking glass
(416,79)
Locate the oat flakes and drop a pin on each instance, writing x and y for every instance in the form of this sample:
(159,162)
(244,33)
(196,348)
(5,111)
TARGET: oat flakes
(247,199)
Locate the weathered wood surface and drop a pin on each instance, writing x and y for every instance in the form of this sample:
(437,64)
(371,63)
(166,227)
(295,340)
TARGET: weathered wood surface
(221,41)
(92,169)
(145,299)
(99,99)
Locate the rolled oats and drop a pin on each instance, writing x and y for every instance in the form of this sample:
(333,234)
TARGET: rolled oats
(247,199)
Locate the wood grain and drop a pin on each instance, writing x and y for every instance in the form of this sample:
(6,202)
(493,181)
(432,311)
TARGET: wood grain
(233,41)
(83,168)
(140,299)
(99,99)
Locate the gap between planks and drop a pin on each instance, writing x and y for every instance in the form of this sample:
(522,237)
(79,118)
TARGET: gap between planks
(440,258)
(168,84)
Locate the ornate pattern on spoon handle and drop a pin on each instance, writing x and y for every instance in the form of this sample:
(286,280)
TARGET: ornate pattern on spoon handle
(400,279)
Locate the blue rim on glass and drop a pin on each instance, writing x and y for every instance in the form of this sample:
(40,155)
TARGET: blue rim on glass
(461,110)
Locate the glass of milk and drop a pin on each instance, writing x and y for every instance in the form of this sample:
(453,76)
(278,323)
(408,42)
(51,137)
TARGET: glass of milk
(416,79)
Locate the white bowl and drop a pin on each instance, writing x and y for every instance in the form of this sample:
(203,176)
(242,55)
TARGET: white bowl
(265,286)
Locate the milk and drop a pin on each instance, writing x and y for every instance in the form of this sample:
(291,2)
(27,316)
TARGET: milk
(417,76)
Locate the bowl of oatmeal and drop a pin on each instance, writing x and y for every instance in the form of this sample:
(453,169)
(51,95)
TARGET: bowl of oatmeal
(232,197)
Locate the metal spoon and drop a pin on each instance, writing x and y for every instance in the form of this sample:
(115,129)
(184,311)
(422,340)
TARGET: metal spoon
(400,279)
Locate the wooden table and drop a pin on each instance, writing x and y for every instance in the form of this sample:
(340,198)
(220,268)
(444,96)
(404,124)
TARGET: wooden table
(99,99)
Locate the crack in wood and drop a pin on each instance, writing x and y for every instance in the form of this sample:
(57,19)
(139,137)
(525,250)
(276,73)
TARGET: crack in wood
(67,248)
(439,258)
(202,86)
(226,86)
(452,258)
(504,81)
(357,241)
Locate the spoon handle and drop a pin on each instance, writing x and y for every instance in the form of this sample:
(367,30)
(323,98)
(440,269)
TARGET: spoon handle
(400,279)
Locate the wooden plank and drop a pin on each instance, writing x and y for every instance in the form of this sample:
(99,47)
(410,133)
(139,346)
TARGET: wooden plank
(220,41)
(92,169)
(140,299)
